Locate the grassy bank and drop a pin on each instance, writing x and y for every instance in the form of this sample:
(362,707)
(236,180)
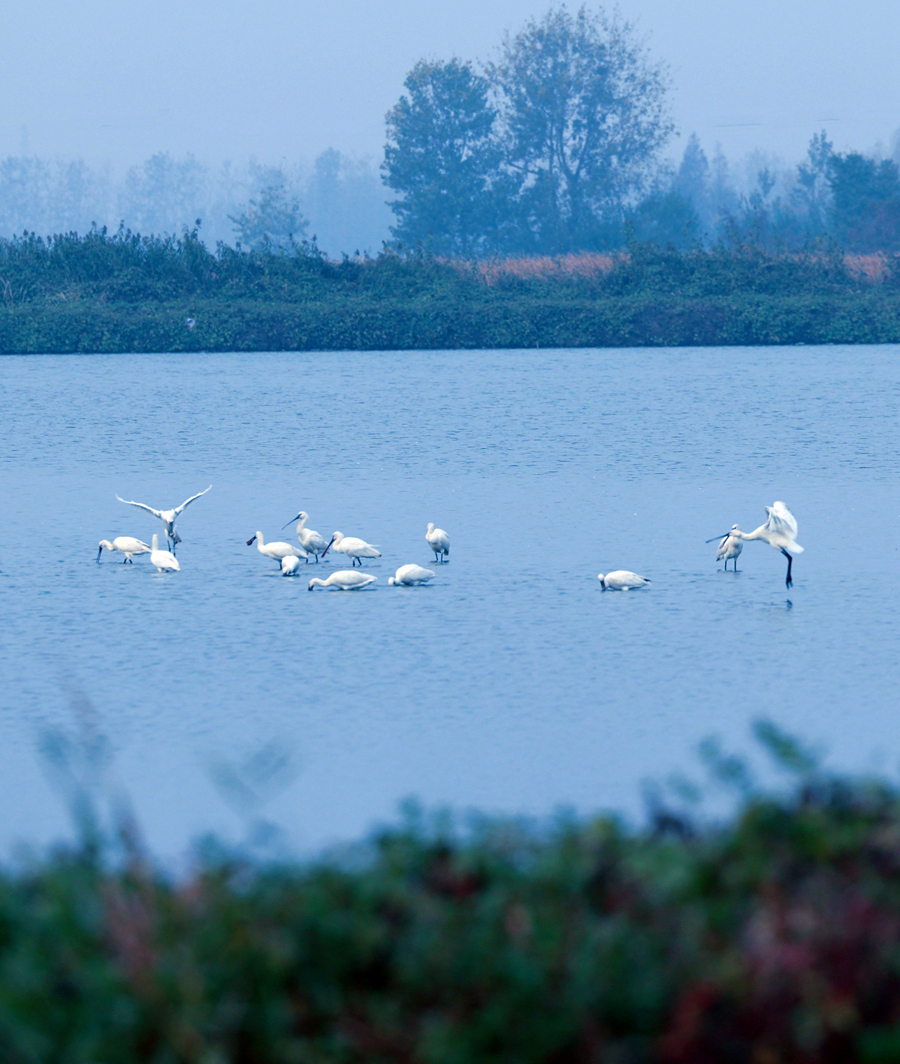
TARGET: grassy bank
(772,937)
(124,293)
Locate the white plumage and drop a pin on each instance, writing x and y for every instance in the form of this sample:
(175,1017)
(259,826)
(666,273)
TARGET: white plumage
(779,531)
(276,551)
(622,580)
(168,517)
(353,547)
(439,542)
(164,561)
(344,580)
(312,542)
(127,545)
(730,547)
(411,575)
(290,565)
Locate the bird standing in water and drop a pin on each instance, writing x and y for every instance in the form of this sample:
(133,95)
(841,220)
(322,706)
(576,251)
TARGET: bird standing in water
(779,531)
(730,547)
(439,542)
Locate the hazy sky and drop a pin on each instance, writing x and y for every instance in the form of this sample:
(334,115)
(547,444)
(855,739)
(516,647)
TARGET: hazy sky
(116,80)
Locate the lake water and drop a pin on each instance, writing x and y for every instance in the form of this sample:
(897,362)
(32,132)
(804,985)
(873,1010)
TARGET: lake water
(513,683)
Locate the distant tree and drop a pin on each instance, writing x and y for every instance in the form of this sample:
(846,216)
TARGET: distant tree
(271,222)
(692,177)
(442,157)
(583,116)
(345,201)
(164,194)
(812,191)
(665,218)
(866,202)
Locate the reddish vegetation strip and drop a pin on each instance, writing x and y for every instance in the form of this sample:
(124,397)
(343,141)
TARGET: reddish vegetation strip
(593,265)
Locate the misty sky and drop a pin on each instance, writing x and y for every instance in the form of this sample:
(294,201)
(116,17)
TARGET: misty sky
(117,80)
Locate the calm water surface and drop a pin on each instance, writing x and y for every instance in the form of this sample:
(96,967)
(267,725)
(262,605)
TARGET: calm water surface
(513,684)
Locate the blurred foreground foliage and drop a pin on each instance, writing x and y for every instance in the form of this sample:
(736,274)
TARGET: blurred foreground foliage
(104,292)
(771,935)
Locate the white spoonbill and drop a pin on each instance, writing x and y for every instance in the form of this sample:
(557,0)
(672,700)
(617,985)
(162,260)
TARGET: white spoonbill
(439,542)
(779,531)
(290,565)
(411,575)
(312,542)
(730,547)
(128,545)
(357,549)
(344,580)
(168,517)
(276,551)
(162,559)
(622,580)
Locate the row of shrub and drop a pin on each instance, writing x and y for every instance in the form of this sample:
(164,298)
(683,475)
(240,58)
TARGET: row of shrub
(418,324)
(123,292)
(771,936)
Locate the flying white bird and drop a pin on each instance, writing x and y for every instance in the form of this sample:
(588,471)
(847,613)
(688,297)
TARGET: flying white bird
(357,549)
(162,559)
(622,580)
(344,580)
(439,542)
(128,545)
(411,575)
(779,531)
(290,565)
(312,542)
(168,517)
(276,551)
(730,547)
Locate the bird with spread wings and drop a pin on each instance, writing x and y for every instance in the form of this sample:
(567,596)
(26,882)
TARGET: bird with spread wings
(168,517)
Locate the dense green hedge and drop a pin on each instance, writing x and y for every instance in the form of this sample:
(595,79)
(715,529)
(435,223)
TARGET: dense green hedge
(772,937)
(869,316)
(129,293)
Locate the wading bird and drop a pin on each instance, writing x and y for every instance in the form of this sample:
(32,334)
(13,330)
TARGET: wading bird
(622,580)
(312,542)
(344,580)
(357,549)
(276,551)
(439,542)
(290,565)
(128,545)
(779,532)
(411,575)
(162,559)
(730,547)
(168,517)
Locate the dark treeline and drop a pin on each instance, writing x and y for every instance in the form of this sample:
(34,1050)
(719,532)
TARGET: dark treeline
(772,935)
(555,147)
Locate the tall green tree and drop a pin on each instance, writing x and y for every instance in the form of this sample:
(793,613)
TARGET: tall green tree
(442,157)
(866,202)
(583,115)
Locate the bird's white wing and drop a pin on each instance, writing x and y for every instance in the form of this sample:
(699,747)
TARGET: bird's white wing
(781,520)
(187,502)
(141,506)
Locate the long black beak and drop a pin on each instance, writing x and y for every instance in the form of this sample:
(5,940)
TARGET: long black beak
(250,541)
(99,552)
(286,523)
(713,540)
(324,552)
